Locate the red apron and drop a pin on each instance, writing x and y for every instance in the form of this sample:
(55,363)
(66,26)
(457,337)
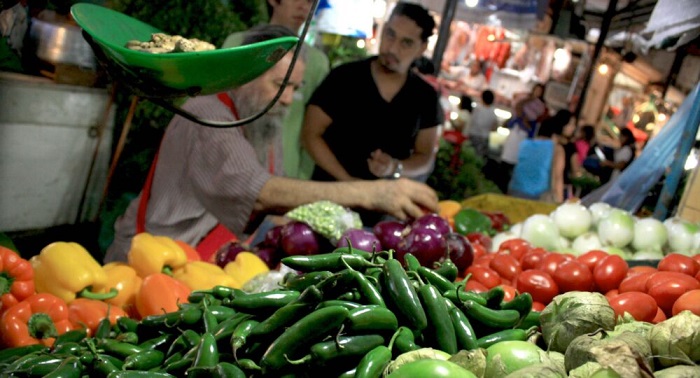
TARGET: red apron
(219,235)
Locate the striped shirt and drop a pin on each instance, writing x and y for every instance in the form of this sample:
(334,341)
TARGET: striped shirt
(204,176)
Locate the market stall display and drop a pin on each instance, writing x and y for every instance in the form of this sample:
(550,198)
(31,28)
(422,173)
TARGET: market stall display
(368,312)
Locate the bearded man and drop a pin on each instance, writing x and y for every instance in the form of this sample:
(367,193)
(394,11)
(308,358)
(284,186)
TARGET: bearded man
(208,184)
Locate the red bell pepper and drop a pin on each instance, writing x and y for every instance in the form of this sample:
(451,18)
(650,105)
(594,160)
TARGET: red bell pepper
(88,313)
(16,279)
(38,319)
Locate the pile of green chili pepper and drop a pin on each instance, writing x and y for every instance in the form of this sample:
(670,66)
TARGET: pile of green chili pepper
(348,312)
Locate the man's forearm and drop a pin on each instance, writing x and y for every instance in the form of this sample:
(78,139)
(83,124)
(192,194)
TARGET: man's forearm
(281,194)
(325,158)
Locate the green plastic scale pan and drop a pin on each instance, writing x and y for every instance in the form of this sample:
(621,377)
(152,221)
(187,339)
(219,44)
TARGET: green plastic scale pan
(160,77)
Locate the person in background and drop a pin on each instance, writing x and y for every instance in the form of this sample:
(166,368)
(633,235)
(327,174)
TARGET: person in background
(208,185)
(528,112)
(375,118)
(623,156)
(539,172)
(292,14)
(483,122)
(464,115)
(474,81)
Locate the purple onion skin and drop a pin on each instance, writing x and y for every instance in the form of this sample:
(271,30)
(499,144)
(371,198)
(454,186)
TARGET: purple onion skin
(270,255)
(426,244)
(298,238)
(461,250)
(433,221)
(389,233)
(360,239)
(228,253)
(272,237)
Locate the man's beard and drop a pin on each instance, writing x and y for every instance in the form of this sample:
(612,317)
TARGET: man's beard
(264,132)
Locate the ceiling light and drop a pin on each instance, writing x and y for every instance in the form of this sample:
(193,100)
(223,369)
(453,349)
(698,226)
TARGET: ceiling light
(471,3)
(603,69)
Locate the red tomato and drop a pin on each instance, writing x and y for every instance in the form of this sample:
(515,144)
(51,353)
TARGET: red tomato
(475,286)
(641,269)
(660,316)
(537,306)
(479,250)
(484,260)
(551,262)
(539,284)
(485,275)
(591,258)
(532,259)
(667,292)
(697,276)
(609,273)
(696,257)
(612,294)
(663,277)
(506,265)
(641,306)
(688,301)
(675,262)
(516,247)
(478,237)
(573,276)
(510,292)
(636,282)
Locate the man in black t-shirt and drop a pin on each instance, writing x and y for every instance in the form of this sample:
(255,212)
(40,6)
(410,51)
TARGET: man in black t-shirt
(375,118)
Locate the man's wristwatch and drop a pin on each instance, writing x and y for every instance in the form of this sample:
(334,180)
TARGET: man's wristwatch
(398,170)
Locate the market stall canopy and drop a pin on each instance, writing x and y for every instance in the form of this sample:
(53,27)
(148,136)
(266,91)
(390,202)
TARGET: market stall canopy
(521,14)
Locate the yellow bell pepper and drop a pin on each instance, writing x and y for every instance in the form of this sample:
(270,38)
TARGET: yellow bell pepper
(67,270)
(122,277)
(202,275)
(245,266)
(153,254)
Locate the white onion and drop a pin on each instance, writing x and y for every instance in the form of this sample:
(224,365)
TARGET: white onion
(586,242)
(572,219)
(622,252)
(598,211)
(500,238)
(680,235)
(648,255)
(540,231)
(649,234)
(516,229)
(616,229)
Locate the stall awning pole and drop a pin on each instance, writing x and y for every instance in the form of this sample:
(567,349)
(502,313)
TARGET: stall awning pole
(448,14)
(604,27)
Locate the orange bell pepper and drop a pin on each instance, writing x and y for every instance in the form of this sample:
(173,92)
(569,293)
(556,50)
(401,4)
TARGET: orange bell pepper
(88,313)
(122,277)
(160,293)
(16,279)
(39,319)
(191,253)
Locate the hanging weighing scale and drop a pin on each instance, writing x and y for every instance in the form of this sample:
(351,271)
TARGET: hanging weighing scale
(163,78)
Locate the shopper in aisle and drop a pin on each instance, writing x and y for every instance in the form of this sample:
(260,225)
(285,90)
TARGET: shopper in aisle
(483,122)
(464,115)
(623,156)
(539,171)
(528,112)
(292,14)
(375,118)
(209,184)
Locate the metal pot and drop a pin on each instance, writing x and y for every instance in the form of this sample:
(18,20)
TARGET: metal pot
(61,43)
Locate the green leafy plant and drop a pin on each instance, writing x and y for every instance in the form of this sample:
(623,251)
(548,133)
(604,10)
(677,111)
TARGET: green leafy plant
(458,173)
(342,49)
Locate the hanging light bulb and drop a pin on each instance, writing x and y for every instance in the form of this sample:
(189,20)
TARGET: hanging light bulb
(603,69)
